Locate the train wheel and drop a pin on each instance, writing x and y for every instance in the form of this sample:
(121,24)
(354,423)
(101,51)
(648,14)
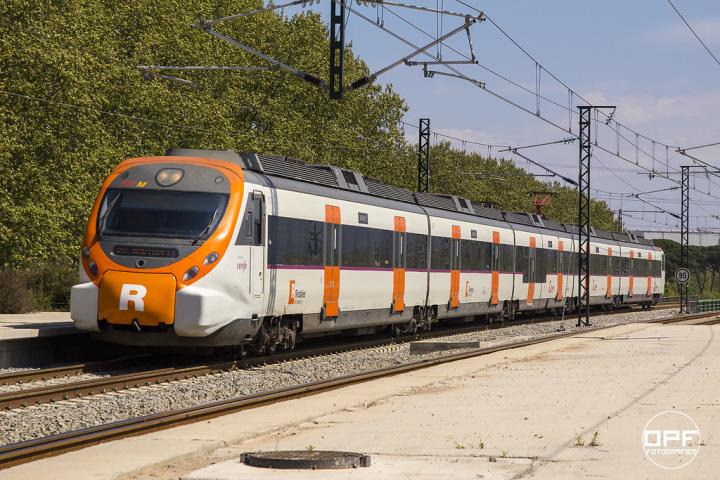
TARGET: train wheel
(395,330)
(241,352)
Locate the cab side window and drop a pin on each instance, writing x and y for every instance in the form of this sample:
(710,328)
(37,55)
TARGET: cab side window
(251,229)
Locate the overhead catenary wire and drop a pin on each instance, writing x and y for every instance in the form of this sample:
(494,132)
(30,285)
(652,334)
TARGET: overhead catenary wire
(699,146)
(546,70)
(512,103)
(694,32)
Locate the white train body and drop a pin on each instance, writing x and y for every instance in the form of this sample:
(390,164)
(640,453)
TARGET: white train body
(292,249)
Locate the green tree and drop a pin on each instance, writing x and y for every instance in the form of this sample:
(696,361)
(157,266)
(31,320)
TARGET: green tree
(84,52)
(73,104)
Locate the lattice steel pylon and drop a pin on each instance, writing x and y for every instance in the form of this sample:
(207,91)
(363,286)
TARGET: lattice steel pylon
(337,48)
(583,305)
(424,155)
(684,233)
(584,217)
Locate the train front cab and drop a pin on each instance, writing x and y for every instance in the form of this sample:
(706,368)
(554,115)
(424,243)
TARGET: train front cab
(158,264)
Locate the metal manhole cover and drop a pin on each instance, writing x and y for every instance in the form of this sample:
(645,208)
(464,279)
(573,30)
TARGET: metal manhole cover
(306,459)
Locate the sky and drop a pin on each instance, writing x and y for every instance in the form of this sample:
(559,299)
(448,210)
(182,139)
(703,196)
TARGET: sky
(637,55)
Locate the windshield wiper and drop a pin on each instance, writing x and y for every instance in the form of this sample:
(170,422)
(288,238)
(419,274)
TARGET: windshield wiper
(206,229)
(103,219)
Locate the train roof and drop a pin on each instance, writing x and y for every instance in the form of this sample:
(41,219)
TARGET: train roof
(337,177)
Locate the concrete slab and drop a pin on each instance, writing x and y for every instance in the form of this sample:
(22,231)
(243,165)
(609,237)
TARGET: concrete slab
(418,348)
(38,338)
(31,325)
(530,408)
(384,467)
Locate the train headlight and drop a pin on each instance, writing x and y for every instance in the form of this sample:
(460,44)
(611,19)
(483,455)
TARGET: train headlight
(211,258)
(93,268)
(86,251)
(169,176)
(190,274)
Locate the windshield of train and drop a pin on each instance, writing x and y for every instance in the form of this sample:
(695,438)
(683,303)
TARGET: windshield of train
(160,213)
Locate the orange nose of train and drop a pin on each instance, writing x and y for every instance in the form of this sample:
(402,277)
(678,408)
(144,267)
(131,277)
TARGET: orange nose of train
(128,298)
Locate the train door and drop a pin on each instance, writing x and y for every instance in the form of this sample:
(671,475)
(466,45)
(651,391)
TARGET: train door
(399,265)
(495,268)
(561,269)
(257,248)
(331,258)
(532,266)
(455,267)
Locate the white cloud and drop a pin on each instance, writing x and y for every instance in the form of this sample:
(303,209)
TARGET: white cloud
(708,29)
(677,119)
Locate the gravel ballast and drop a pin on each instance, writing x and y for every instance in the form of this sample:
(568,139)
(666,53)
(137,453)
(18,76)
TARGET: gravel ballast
(48,419)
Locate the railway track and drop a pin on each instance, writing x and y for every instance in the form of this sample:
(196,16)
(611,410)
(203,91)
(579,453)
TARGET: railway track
(27,451)
(69,390)
(28,376)
(31,450)
(121,381)
(692,319)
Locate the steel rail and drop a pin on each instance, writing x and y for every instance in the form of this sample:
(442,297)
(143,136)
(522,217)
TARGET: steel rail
(123,381)
(70,390)
(26,376)
(689,318)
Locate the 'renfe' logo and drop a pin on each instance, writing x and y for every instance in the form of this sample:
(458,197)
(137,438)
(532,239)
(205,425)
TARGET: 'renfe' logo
(134,293)
(671,440)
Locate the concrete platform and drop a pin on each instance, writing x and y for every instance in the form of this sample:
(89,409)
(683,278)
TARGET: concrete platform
(33,325)
(529,409)
(35,338)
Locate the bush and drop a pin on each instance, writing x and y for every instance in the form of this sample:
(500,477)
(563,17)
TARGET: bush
(42,287)
(15,295)
(50,284)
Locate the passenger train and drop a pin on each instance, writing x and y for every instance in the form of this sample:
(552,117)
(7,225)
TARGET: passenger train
(203,248)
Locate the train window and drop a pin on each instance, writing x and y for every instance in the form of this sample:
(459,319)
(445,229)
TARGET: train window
(440,253)
(549,243)
(258,213)
(473,233)
(471,257)
(245,235)
(454,254)
(616,266)
(153,213)
(367,247)
(524,262)
(463,205)
(506,260)
(362,218)
(540,273)
(656,268)
(416,251)
(626,269)
(399,250)
(333,232)
(294,241)
(571,262)
(351,180)
(475,256)
(251,229)
(551,260)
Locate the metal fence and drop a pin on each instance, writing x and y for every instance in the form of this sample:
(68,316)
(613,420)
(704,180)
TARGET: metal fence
(710,305)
